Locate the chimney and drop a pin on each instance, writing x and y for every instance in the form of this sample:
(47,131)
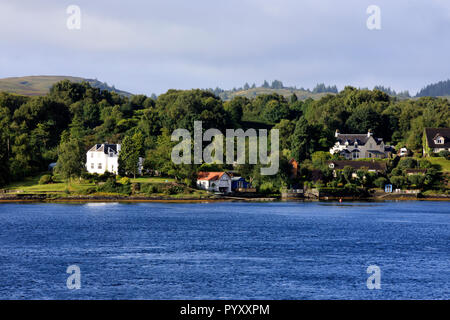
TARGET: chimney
(369,133)
(336,134)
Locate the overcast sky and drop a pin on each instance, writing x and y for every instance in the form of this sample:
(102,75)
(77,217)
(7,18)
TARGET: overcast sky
(152,46)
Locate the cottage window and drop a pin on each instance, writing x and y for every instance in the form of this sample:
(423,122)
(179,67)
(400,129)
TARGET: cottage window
(92,166)
(439,140)
(99,165)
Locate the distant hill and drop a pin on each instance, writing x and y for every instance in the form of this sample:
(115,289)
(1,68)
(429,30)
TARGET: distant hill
(441,88)
(253,92)
(277,86)
(40,85)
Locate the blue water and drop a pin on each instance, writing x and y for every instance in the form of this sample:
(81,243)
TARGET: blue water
(225,250)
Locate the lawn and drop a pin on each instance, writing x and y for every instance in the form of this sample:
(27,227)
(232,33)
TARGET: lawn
(31,185)
(152,180)
(442,162)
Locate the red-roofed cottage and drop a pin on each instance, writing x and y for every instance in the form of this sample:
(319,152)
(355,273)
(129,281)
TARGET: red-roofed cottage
(214,181)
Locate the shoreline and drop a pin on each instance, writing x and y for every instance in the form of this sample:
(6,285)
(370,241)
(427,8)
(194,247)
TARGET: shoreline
(44,198)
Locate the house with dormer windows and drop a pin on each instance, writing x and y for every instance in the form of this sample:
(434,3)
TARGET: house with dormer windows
(356,146)
(436,140)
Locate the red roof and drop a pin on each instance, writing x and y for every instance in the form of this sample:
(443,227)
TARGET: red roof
(210,175)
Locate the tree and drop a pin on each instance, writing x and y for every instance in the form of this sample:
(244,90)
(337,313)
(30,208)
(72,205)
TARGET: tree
(131,150)
(71,158)
(380,182)
(398,181)
(417,180)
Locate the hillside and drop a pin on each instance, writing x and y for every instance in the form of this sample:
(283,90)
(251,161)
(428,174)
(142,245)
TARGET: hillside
(253,92)
(40,85)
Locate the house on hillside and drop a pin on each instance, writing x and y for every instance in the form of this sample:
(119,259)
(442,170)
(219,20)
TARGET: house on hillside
(105,157)
(436,140)
(355,146)
(370,166)
(214,181)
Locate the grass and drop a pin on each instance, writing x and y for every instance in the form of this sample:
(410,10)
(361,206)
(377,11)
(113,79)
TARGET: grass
(40,85)
(253,92)
(31,185)
(442,162)
(152,180)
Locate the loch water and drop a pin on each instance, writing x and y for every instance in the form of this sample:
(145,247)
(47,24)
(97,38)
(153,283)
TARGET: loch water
(225,250)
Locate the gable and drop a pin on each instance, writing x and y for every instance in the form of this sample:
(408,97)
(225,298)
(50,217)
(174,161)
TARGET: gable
(433,134)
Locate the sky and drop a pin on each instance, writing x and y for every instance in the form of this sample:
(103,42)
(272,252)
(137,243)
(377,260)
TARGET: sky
(151,46)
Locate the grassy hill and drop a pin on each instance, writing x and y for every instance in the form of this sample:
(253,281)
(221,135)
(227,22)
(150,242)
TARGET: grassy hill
(253,92)
(40,85)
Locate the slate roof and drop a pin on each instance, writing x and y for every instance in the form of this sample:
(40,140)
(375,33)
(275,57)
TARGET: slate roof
(105,148)
(361,139)
(370,165)
(432,133)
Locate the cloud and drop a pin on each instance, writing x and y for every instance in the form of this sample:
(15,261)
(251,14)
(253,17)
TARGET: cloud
(151,46)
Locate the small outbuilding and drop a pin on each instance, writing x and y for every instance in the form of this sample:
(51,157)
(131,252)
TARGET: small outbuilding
(239,184)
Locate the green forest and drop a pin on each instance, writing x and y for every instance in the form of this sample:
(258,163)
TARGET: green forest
(72,117)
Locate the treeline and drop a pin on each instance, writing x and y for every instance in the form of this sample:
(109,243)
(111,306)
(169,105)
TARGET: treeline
(275,84)
(62,126)
(441,88)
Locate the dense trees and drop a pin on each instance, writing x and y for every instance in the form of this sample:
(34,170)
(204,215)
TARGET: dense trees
(35,131)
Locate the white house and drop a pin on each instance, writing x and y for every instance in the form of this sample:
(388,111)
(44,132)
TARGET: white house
(105,157)
(356,146)
(214,181)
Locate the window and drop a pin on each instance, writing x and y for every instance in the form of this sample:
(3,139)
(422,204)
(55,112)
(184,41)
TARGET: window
(92,166)
(99,165)
(440,140)
(92,155)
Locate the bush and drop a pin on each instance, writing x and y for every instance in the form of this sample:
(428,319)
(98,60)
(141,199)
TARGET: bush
(46,179)
(380,182)
(174,189)
(445,154)
(267,187)
(90,190)
(417,180)
(106,176)
(407,163)
(111,186)
(149,188)
(135,187)
(125,181)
